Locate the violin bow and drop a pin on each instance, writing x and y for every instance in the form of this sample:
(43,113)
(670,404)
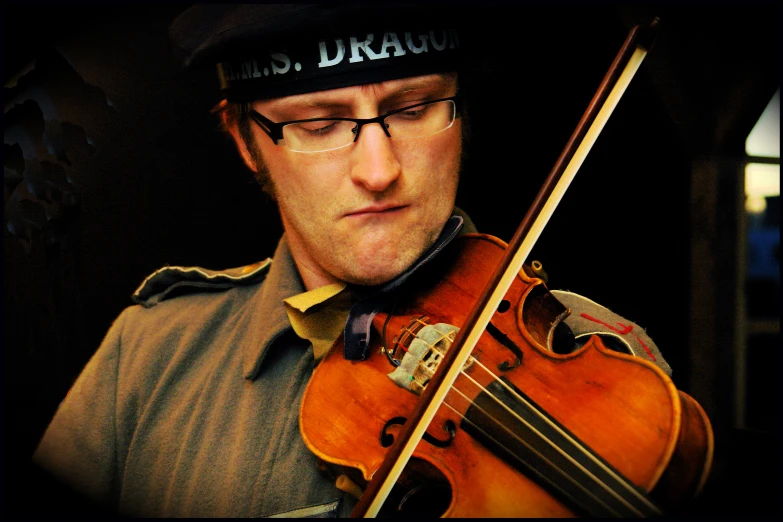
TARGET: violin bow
(613,86)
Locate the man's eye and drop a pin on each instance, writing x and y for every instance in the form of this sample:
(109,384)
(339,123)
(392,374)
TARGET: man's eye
(414,113)
(318,128)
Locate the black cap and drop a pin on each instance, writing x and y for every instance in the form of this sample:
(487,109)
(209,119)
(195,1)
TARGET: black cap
(270,50)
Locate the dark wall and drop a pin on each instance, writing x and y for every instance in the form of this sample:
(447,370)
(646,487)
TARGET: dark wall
(114,167)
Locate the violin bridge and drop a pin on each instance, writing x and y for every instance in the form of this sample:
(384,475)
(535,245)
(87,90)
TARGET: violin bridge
(423,355)
(403,340)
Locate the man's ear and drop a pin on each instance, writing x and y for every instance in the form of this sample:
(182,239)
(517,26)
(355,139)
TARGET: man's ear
(232,126)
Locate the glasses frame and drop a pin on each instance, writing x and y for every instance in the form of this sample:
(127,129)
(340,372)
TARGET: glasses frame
(275,129)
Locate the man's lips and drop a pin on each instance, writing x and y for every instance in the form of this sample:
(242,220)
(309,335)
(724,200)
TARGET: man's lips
(380,208)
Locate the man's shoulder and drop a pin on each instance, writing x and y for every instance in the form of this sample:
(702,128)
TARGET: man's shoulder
(182,313)
(173,281)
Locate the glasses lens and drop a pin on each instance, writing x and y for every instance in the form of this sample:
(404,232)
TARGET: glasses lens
(422,120)
(414,122)
(318,135)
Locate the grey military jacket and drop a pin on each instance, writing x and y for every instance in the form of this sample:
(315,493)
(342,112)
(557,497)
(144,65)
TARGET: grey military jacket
(189,408)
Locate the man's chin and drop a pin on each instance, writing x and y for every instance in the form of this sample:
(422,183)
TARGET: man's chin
(373,278)
(378,262)
(377,274)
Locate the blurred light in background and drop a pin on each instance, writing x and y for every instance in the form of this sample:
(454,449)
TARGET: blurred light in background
(764,139)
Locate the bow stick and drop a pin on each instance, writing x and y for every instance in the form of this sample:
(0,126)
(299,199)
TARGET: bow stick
(614,84)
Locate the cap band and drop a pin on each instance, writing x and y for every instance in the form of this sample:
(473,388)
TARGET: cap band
(351,58)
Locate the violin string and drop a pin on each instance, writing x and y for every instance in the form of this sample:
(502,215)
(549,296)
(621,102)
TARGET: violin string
(407,329)
(531,448)
(622,480)
(525,443)
(543,437)
(513,413)
(543,417)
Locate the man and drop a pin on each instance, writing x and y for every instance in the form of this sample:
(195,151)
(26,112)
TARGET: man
(353,120)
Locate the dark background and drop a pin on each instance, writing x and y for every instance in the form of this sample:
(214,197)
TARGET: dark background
(114,167)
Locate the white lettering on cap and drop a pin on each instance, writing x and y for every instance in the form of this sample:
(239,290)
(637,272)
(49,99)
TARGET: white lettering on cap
(356,46)
(435,44)
(325,60)
(249,69)
(283,65)
(413,47)
(391,40)
(453,39)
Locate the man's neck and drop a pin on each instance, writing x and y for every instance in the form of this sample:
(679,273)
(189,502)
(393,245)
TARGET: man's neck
(312,276)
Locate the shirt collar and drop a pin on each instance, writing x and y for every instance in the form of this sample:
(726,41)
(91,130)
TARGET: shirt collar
(319,316)
(270,318)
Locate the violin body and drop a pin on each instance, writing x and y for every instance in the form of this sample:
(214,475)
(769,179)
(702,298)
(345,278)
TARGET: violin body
(525,431)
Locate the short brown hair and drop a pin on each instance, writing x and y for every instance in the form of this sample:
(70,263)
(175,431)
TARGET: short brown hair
(236,113)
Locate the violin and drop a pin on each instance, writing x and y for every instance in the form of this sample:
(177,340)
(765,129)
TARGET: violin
(465,407)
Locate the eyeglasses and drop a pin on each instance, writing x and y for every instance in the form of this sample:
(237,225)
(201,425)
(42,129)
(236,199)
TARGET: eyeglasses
(325,134)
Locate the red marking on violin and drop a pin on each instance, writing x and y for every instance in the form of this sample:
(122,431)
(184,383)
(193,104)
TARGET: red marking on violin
(625,329)
(645,348)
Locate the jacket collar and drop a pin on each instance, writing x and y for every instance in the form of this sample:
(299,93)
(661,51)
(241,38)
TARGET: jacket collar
(269,317)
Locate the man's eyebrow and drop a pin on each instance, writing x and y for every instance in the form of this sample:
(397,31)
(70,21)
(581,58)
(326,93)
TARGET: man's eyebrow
(306,103)
(416,84)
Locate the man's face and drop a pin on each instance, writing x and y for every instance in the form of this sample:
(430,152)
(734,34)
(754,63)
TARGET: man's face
(363,213)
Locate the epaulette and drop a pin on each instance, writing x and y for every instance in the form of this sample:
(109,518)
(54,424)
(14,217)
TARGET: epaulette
(589,318)
(171,281)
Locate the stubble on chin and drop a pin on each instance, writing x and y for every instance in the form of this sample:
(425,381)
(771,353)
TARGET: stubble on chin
(356,269)
(385,264)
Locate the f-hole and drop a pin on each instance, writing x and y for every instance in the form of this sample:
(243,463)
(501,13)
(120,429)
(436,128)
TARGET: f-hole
(387,439)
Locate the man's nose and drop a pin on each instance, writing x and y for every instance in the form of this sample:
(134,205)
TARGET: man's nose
(375,165)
